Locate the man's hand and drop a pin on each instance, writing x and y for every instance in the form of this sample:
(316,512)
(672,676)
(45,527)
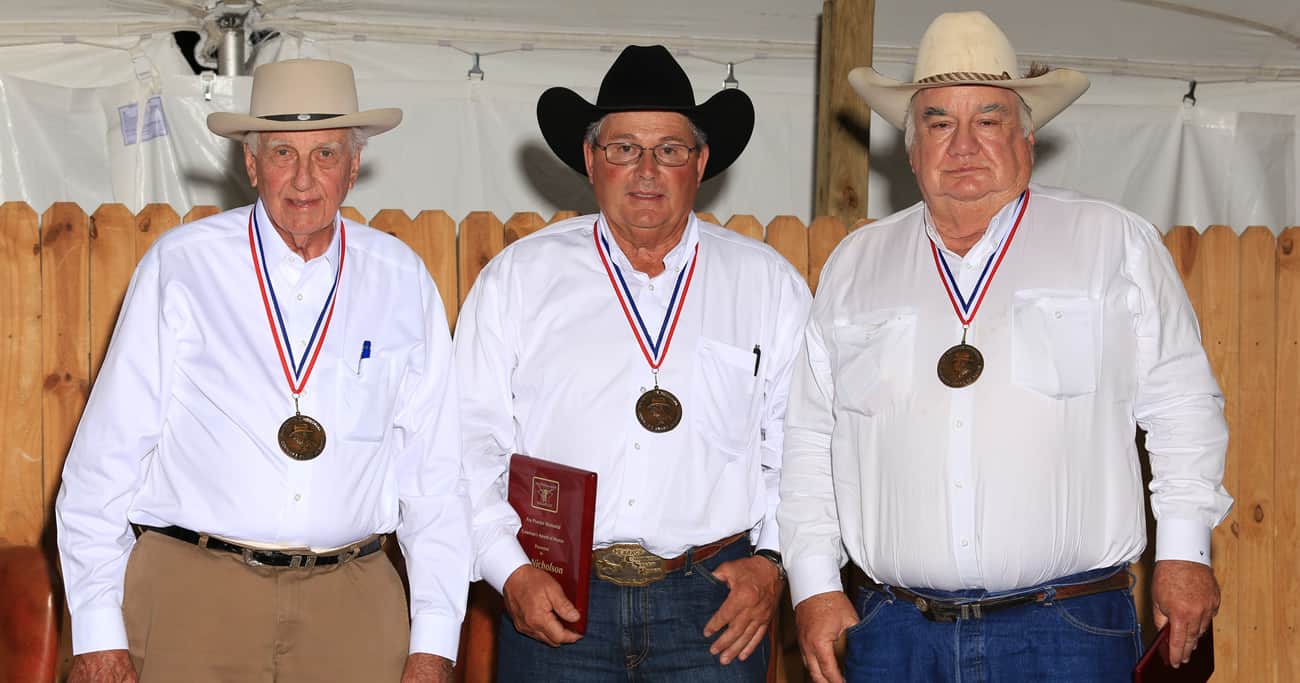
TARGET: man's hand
(755,584)
(105,666)
(821,621)
(536,603)
(1186,596)
(422,667)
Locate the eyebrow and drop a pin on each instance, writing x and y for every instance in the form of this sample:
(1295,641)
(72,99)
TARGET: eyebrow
(935,111)
(997,106)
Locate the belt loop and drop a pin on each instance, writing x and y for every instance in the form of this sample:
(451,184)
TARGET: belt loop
(689,567)
(295,561)
(309,562)
(203,541)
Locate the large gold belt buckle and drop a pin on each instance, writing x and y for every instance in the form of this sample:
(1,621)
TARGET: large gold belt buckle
(628,564)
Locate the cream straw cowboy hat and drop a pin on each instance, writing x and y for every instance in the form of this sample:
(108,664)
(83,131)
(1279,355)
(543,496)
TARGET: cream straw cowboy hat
(967,48)
(303,94)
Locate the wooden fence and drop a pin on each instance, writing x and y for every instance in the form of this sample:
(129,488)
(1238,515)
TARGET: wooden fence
(65,273)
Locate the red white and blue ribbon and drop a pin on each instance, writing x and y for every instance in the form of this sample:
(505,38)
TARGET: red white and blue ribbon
(655,347)
(296,370)
(967,307)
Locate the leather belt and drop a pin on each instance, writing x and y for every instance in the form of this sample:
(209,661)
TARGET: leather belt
(947,611)
(255,557)
(628,564)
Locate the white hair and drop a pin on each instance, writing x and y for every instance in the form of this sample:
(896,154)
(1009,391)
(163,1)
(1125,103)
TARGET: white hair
(909,121)
(357,139)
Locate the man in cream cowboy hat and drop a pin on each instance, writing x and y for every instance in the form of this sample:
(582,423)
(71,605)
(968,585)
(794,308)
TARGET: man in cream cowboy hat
(653,348)
(961,419)
(277,400)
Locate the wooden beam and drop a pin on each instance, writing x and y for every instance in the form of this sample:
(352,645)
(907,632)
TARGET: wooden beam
(842,118)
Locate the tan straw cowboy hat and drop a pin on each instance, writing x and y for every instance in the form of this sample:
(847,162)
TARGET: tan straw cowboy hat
(303,94)
(967,48)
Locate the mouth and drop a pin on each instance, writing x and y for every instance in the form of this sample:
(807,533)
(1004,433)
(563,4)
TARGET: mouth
(645,196)
(301,204)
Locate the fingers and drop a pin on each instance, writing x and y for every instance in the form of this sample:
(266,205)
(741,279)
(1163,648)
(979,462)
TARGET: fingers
(828,670)
(754,641)
(536,604)
(725,614)
(735,639)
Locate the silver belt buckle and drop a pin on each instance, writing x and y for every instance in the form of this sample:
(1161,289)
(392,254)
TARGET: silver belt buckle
(627,564)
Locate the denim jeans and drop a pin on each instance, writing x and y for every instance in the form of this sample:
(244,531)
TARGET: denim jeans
(1089,638)
(642,633)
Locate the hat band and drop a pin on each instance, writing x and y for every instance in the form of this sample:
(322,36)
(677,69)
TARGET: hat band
(299,117)
(960,76)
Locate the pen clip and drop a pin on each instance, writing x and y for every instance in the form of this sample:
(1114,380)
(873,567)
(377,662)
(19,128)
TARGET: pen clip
(758,355)
(365,353)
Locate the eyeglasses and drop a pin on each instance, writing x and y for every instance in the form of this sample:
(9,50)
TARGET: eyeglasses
(628,153)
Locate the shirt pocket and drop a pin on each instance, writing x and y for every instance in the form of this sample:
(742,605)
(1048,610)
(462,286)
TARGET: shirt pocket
(1055,342)
(726,388)
(365,400)
(873,360)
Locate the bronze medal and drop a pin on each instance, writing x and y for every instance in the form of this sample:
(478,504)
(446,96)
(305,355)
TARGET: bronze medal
(961,365)
(301,437)
(658,410)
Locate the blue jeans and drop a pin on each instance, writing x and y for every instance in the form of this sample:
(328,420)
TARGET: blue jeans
(1089,638)
(639,633)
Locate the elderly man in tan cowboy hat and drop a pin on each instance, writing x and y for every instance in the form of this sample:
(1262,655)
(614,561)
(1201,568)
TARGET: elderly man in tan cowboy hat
(277,400)
(962,415)
(653,348)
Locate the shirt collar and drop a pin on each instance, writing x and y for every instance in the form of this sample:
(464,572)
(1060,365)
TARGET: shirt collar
(998,228)
(275,249)
(674,260)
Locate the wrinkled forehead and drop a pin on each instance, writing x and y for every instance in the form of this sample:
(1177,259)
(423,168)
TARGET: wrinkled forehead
(958,99)
(650,125)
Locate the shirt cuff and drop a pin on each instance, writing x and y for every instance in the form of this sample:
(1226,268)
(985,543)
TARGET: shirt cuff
(769,536)
(500,560)
(436,635)
(97,629)
(811,576)
(1183,539)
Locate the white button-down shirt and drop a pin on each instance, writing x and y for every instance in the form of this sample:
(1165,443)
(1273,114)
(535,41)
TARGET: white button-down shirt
(181,427)
(548,366)
(1032,472)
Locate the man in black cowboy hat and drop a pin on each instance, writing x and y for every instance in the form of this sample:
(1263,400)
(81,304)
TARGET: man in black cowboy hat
(652,348)
(277,399)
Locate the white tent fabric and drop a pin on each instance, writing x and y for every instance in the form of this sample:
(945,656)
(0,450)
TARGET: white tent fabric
(98,114)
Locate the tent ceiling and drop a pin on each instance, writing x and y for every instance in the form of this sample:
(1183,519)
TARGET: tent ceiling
(1206,39)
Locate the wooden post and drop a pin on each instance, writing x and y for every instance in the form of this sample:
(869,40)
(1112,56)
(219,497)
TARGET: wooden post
(842,117)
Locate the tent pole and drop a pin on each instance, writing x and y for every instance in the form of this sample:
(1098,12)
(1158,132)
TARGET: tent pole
(842,118)
(230,56)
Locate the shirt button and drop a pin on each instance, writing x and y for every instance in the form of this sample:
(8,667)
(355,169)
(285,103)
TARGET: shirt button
(964,543)
(959,424)
(643,390)
(959,484)
(302,342)
(300,296)
(297,497)
(637,445)
(1059,315)
(632,502)
(652,288)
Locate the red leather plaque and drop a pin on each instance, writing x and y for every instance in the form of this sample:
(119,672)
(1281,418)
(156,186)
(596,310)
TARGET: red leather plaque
(557,508)
(1155,667)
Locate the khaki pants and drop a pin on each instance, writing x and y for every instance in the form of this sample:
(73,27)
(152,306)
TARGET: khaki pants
(200,615)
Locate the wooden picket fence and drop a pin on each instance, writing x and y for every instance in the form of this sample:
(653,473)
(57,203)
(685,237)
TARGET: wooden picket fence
(65,274)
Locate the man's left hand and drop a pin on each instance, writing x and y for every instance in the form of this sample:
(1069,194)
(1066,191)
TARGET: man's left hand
(422,667)
(755,587)
(1186,596)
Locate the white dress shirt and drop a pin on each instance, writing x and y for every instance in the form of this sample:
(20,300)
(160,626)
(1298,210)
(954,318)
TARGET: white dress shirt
(1032,472)
(181,427)
(548,366)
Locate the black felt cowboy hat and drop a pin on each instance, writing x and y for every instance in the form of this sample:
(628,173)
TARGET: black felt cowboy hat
(647,79)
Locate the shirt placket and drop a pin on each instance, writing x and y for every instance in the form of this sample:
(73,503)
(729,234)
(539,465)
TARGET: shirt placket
(962,511)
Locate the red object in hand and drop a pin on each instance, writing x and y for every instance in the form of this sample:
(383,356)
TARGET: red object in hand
(557,509)
(1155,667)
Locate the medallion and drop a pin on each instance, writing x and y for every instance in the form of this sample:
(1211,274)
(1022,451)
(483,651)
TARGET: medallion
(658,410)
(960,365)
(302,438)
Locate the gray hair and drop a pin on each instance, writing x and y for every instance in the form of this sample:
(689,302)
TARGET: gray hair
(357,139)
(593,132)
(909,121)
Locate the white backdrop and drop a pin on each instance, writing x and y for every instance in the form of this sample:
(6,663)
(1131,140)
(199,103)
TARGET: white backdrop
(467,144)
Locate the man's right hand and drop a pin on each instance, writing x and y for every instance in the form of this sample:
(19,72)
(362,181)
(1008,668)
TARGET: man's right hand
(821,620)
(536,603)
(105,666)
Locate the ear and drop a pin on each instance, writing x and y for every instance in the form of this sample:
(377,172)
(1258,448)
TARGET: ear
(250,165)
(355,170)
(589,158)
(702,163)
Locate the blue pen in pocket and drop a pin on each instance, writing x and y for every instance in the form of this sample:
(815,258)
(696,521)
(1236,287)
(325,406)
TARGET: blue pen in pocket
(365,353)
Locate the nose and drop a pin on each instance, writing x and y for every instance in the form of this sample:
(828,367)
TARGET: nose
(302,174)
(647,166)
(963,141)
